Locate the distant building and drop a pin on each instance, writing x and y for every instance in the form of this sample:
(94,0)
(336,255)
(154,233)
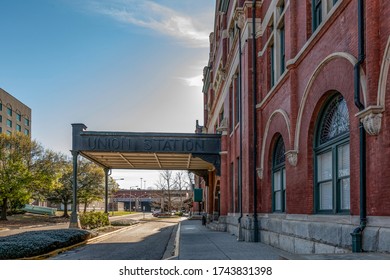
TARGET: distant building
(14,115)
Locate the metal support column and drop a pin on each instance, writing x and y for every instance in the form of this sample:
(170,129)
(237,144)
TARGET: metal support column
(106,171)
(74,219)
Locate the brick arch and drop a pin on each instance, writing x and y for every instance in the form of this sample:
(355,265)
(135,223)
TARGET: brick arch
(384,75)
(286,120)
(348,57)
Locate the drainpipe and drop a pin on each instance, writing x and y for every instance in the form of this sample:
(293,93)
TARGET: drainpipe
(254,78)
(240,237)
(357,233)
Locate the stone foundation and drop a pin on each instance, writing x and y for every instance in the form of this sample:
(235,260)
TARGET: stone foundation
(310,234)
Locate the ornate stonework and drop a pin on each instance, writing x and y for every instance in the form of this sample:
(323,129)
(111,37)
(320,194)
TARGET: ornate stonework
(223,126)
(240,18)
(292,157)
(259,173)
(371,118)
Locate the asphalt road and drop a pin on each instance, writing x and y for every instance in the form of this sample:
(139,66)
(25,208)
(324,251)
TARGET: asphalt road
(145,241)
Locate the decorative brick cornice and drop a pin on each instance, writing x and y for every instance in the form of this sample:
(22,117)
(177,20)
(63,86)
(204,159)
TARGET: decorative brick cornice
(371,118)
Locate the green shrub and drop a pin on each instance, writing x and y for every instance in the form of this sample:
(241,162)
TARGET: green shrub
(91,220)
(123,223)
(34,243)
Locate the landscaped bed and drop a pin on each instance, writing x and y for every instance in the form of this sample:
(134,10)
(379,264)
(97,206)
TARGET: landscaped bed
(35,243)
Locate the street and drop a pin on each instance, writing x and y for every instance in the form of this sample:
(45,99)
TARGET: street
(145,241)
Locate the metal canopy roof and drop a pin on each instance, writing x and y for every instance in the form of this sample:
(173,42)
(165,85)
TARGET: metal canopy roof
(156,151)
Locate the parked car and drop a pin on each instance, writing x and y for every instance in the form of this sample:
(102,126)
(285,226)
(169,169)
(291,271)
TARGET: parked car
(156,212)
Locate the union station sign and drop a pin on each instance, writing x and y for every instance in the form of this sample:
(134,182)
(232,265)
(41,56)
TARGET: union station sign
(129,150)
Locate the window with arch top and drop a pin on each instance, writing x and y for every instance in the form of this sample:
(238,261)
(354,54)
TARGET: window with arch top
(279,177)
(332,158)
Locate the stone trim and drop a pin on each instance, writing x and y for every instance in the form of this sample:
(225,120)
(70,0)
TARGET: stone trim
(350,58)
(371,118)
(265,136)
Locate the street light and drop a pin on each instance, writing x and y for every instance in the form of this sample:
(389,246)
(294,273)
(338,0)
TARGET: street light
(141,182)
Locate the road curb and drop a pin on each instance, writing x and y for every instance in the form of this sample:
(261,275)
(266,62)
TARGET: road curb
(172,251)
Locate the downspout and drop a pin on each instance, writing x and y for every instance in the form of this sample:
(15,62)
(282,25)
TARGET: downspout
(240,237)
(254,73)
(357,233)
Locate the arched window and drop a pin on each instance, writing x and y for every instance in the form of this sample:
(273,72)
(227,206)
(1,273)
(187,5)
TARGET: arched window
(332,176)
(279,177)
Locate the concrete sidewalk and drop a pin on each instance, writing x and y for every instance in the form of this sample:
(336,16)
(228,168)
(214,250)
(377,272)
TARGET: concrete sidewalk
(196,242)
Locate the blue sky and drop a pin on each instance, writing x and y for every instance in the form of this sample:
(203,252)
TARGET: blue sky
(120,65)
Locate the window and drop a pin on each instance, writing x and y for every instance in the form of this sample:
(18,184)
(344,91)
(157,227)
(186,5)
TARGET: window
(332,159)
(320,9)
(9,132)
(9,123)
(18,117)
(26,122)
(223,6)
(1,106)
(276,44)
(279,177)
(272,65)
(237,99)
(317,13)
(18,128)
(1,118)
(26,132)
(282,50)
(9,111)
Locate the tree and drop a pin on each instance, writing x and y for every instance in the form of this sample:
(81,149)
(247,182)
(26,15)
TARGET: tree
(22,163)
(166,184)
(63,191)
(90,183)
(181,184)
(49,169)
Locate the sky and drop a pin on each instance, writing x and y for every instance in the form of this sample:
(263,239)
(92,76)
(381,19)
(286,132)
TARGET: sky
(114,65)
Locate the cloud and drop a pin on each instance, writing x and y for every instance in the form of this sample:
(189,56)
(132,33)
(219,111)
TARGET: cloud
(196,81)
(162,19)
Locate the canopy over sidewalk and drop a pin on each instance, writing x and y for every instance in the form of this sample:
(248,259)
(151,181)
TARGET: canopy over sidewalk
(199,153)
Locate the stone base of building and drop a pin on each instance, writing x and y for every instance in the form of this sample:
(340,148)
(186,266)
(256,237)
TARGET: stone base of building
(309,234)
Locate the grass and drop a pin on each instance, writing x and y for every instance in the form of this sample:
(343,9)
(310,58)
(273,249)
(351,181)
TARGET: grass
(120,213)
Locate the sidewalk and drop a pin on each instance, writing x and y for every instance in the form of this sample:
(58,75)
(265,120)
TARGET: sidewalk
(196,242)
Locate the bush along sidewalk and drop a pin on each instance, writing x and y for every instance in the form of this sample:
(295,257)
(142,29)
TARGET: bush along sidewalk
(91,220)
(34,243)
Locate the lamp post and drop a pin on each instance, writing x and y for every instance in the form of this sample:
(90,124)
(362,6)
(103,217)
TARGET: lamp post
(141,182)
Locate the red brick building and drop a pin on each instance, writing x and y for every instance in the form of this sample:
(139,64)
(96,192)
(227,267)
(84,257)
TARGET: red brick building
(304,123)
